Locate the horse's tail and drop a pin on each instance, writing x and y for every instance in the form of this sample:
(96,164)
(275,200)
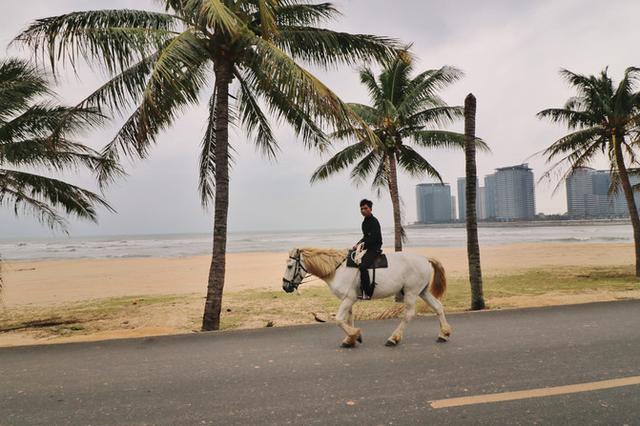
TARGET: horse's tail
(439,283)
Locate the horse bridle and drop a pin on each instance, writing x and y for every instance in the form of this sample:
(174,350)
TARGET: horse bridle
(299,266)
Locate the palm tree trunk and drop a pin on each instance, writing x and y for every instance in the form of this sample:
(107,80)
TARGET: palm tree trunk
(628,194)
(395,201)
(473,247)
(213,304)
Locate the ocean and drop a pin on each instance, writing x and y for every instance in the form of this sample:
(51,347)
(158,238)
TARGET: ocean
(179,245)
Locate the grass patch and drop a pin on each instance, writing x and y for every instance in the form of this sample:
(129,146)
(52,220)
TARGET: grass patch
(252,308)
(260,308)
(74,318)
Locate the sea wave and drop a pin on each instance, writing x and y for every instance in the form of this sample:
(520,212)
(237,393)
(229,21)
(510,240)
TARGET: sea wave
(183,245)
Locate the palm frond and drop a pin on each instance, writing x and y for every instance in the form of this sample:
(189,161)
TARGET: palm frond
(324,47)
(20,84)
(291,13)
(340,161)
(115,39)
(42,195)
(283,108)
(381,177)
(206,178)
(363,169)
(268,25)
(375,91)
(218,15)
(369,115)
(574,142)
(254,120)
(443,139)
(414,164)
(422,91)
(125,89)
(571,118)
(276,73)
(436,117)
(175,82)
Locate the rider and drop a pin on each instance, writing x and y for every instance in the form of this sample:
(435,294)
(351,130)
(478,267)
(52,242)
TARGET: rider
(372,239)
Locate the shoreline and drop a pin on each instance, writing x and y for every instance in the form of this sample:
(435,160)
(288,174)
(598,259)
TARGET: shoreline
(524,223)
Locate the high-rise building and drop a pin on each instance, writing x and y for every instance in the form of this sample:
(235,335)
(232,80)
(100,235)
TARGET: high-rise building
(581,187)
(434,202)
(588,194)
(482,203)
(462,198)
(453,208)
(515,193)
(490,197)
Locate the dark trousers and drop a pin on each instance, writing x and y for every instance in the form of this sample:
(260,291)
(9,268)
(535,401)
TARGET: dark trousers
(367,262)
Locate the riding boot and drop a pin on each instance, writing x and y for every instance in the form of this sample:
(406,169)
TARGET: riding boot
(365,284)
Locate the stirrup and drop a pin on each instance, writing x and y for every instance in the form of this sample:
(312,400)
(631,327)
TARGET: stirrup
(364,296)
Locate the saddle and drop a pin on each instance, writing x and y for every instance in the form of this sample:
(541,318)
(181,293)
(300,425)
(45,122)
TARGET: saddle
(379,262)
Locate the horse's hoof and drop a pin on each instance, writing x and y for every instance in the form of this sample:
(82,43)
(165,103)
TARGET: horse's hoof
(359,338)
(390,342)
(442,339)
(347,345)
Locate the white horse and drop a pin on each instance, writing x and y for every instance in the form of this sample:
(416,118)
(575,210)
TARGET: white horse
(416,275)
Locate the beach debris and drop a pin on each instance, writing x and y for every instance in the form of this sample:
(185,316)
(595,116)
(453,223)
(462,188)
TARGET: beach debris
(391,312)
(269,324)
(317,318)
(51,322)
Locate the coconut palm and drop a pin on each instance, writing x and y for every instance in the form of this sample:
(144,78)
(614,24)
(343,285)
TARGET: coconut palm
(162,62)
(404,109)
(603,119)
(473,247)
(37,134)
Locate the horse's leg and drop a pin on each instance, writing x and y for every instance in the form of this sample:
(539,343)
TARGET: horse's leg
(436,305)
(345,322)
(409,313)
(351,323)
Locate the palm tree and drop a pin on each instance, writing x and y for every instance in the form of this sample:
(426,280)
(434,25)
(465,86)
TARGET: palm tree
(473,247)
(37,134)
(404,109)
(603,119)
(163,62)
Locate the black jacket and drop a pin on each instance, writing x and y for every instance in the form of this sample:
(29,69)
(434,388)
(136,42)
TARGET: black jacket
(372,235)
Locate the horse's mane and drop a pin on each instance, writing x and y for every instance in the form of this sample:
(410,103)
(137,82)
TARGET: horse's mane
(322,262)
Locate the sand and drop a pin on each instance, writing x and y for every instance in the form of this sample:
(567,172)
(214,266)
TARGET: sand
(62,281)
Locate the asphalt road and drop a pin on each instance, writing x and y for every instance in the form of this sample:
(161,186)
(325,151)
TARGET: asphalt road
(298,375)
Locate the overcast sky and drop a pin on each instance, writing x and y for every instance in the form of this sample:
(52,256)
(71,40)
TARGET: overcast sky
(510,51)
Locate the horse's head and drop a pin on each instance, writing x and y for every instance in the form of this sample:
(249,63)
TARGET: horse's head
(294,273)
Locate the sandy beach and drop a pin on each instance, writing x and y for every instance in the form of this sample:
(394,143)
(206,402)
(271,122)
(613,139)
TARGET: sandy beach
(62,281)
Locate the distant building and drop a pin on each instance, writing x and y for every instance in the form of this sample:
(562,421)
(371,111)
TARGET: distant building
(580,191)
(490,197)
(588,195)
(453,208)
(462,198)
(433,202)
(482,203)
(515,193)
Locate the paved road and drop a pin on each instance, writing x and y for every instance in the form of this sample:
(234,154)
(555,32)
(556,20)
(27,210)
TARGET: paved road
(298,375)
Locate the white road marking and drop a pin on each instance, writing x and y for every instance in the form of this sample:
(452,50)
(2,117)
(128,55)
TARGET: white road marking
(535,393)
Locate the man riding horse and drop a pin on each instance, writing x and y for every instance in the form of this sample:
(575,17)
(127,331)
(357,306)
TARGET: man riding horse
(372,239)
